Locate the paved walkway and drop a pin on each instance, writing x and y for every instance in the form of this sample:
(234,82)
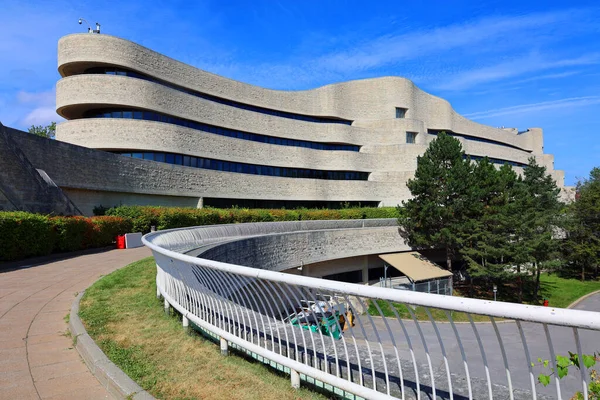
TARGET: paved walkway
(37,359)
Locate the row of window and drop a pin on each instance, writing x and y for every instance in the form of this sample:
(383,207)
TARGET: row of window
(154,116)
(242,168)
(499,161)
(473,138)
(262,110)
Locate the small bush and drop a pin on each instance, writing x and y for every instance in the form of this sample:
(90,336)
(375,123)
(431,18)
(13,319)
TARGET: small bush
(72,233)
(143,217)
(24,235)
(107,228)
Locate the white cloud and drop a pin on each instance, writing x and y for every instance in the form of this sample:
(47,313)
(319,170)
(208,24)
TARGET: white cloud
(41,98)
(481,34)
(41,116)
(444,54)
(572,102)
(43,104)
(519,66)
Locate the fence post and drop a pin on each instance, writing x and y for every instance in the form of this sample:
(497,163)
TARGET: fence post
(295,378)
(167,307)
(224,347)
(186,324)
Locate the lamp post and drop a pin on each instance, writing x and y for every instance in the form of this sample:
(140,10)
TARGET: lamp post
(385,275)
(90,30)
(495,291)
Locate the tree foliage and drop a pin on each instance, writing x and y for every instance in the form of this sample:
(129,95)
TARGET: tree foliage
(48,131)
(435,215)
(501,225)
(581,248)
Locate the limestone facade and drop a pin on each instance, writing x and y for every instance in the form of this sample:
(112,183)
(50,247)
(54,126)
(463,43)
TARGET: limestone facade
(380,117)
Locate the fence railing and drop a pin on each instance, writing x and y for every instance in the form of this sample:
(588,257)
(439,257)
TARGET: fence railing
(370,341)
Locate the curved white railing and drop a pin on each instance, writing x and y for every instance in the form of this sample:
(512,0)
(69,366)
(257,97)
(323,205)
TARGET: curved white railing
(380,354)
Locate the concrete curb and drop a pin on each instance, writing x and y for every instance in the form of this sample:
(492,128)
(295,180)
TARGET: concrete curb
(582,298)
(115,381)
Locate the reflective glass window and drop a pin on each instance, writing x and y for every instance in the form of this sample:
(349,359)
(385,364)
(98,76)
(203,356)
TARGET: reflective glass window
(159,157)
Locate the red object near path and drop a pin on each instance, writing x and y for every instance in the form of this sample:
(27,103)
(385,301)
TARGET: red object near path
(121,242)
(545,303)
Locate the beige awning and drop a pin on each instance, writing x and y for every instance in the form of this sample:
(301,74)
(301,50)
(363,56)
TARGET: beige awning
(415,266)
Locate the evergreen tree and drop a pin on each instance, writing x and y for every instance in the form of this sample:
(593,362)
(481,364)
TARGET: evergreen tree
(437,214)
(581,247)
(487,250)
(538,208)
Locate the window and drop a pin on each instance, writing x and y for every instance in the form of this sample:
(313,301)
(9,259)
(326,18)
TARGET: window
(228,166)
(411,137)
(401,112)
(258,109)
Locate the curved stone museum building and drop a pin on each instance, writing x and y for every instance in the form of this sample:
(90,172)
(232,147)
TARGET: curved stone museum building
(198,138)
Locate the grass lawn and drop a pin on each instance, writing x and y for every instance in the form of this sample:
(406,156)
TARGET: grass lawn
(121,313)
(561,292)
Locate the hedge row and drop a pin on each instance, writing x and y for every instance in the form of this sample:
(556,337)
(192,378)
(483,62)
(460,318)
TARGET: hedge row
(144,217)
(23,234)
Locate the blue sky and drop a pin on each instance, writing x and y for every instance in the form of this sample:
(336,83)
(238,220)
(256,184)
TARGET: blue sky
(502,63)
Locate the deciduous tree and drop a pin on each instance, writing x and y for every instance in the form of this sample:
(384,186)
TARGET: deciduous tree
(48,131)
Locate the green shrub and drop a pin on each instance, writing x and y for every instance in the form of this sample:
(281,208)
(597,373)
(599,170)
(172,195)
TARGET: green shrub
(144,217)
(24,235)
(72,233)
(107,228)
(382,212)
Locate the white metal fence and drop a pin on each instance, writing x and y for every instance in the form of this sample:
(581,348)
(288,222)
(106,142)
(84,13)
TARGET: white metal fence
(369,341)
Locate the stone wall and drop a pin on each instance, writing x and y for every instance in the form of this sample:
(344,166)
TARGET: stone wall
(25,186)
(84,169)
